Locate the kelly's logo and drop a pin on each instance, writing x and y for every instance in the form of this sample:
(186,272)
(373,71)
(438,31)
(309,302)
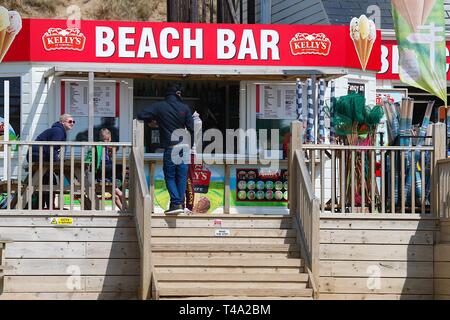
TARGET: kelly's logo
(316,43)
(63,39)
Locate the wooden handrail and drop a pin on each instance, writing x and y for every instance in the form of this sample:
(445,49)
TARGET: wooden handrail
(304,208)
(307,216)
(141,202)
(376,148)
(443,188)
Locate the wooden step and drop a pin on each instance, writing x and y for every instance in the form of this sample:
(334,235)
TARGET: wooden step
(222,240)
(222,222)
(194,247)
(235,233)
(231,277)
(165,291)
(228,262)
(235,298)
(240,255)
(243,270)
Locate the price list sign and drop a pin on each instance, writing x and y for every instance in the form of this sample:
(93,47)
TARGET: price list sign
(77,99)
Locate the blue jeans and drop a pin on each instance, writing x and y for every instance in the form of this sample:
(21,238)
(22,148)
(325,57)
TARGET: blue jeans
(175,176)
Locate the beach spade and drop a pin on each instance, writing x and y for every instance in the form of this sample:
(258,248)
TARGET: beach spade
(415,12)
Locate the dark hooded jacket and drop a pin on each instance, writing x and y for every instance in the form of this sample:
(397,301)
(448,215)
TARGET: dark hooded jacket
(171,114)
(55,133)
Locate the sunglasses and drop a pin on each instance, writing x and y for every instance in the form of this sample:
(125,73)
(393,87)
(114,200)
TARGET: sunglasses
(71,121)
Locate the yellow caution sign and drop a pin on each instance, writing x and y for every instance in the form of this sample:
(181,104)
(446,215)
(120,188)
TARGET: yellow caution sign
(61,221)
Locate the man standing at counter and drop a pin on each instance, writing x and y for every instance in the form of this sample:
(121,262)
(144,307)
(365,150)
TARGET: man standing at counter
(172,114)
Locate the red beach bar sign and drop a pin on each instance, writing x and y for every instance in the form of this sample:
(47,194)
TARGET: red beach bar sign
(43,40)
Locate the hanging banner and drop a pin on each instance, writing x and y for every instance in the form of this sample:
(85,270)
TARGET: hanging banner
(420,32)
(389,60)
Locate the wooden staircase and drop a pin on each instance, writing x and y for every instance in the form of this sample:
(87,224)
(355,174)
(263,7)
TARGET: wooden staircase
(227,257)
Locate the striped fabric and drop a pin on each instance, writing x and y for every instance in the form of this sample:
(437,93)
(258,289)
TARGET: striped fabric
(406,131)
(321,133)
(448,129)
(310,123)
(299,100)
(420,142)
(332,101)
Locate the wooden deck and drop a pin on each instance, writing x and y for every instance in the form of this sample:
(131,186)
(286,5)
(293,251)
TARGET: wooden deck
(376,256)
(442,262)
(94,257)
(97,257)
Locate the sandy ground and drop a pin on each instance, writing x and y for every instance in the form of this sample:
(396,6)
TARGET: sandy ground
(150,10)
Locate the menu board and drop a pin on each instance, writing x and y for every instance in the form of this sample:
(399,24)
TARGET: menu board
(77,99)
(277,102)
(260,185)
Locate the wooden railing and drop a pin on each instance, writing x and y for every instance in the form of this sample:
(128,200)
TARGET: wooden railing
(304,208)
(370,179)
(71,181)
(443,188)
(141,204)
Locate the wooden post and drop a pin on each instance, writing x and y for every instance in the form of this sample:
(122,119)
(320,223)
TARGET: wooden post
(152,187)
(194,11)
(251,11)
(296,143)
(211,11)
(146,257)
(226,208)
(439,152)
(138,136)
(266,11)
(91,107)
(2,264)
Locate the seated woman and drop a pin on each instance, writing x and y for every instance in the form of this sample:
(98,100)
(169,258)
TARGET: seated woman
(105,136)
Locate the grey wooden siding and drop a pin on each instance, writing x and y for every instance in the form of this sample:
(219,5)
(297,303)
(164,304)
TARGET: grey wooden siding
(295,11)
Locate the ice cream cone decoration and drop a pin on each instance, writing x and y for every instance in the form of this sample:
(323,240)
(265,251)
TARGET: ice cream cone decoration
(11,22)
(4,24)
(11,32)
(363,34)
(415,12)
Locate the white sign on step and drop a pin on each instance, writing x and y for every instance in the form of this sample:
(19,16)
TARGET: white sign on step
(222,232)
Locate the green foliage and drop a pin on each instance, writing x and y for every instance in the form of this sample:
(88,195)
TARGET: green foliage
(352,116)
